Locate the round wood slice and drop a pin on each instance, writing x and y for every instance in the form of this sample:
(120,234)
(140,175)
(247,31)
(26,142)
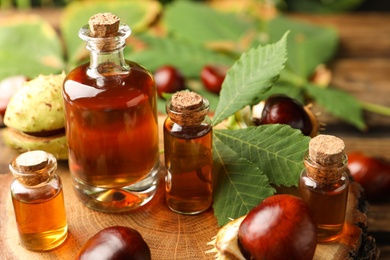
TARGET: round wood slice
(169,235)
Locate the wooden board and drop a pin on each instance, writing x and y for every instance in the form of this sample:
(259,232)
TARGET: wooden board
(169,235)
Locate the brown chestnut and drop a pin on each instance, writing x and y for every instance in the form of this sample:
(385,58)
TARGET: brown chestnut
(372,173)
(168,79)
(212,77)
(280,227)
(115,243)
(282,109)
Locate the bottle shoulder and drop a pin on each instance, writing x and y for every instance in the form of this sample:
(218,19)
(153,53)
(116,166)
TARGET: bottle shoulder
(124,90)
(187,132)
(337,186)
(39,193)
(80,73)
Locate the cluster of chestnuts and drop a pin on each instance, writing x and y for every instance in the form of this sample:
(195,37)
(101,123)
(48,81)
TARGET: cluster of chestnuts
(277,109)
(169,79)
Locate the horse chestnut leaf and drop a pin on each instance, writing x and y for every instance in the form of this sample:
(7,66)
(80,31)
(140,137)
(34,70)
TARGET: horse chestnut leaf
(281,227)
(372,173)
(281,109)
(168,79)
(115,243)
(212,77)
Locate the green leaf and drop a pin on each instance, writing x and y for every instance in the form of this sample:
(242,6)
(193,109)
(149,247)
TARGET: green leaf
(339,103)
(29,46)
(308,45)
(252,75)
(137,14)
(199,23)
(278,150)
(241,184)
(190,58)
(287,89)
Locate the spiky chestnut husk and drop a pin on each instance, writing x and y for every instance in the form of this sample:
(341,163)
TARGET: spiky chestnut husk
(280,226)
(225,243)
(22,142)
(35,117)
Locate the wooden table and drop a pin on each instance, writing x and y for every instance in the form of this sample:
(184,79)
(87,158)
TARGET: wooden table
(362,68)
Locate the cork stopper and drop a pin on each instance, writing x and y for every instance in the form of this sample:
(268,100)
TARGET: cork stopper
(327,153)
(30,168)
(326,150)
(103,25)
(187,108)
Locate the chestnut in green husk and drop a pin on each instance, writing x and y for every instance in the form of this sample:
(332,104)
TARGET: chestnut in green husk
(35,117)
(115,243)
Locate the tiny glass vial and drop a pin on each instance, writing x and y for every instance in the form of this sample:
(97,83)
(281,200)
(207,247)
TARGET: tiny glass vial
(38,201)
(324,185)
(188,153)
(111,122)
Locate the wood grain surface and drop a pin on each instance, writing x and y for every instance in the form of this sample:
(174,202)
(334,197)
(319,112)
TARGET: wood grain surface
(169,235)
(361,68)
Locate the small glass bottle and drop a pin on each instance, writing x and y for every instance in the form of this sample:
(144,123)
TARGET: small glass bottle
(111,122)
(38,201)
(324,185)
(188,153)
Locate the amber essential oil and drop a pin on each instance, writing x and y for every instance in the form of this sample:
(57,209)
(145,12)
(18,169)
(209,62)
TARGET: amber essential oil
(323,201)
(188,159)
(111,126)
(324,185)
(38,201)
(41,222)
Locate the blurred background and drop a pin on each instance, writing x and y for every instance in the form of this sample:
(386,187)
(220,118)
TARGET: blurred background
(312,6)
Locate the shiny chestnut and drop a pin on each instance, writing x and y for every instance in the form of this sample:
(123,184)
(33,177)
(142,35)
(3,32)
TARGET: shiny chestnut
(169,79)
(115,243)
(280,227)
(282,109)
(212,77)
(372,173)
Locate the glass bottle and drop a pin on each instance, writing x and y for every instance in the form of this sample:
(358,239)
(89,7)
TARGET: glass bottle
(111,122)
(188,153)
(324,185)
(38,201)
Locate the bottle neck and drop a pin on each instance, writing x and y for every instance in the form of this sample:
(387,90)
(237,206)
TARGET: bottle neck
(107,63)
(190,117)
(325,174)
(106,54)
(34,175)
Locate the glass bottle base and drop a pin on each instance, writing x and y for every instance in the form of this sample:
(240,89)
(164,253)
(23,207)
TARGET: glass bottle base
(188,207)
(329,233)
(118,199)
(44,241)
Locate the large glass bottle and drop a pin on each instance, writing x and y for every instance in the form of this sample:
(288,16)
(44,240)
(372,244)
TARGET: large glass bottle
(324,185)
(38,201)
(111,122)
(188,153)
